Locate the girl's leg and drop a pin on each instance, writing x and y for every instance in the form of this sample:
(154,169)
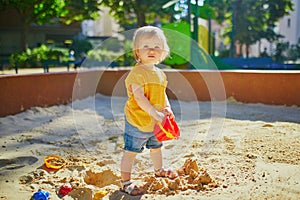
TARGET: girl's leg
(126,165)
(156,157)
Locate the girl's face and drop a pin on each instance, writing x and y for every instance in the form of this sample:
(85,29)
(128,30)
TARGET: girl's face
(150,50)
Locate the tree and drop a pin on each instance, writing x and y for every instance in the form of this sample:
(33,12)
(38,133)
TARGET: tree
(281,47)
(55,11)
(137,13)
(80,10)
(251,20)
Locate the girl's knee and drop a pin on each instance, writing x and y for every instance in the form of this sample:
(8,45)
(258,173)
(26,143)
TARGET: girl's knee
(152,150)
(127,161)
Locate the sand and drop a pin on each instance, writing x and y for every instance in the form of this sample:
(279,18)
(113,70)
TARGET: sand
(251,153)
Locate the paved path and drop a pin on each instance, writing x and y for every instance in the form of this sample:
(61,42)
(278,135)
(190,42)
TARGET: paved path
(33,70)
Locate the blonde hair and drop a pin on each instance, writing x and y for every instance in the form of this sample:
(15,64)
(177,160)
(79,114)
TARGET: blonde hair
(148,32)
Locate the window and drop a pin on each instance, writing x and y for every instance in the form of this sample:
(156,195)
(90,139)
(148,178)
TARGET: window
(289,22)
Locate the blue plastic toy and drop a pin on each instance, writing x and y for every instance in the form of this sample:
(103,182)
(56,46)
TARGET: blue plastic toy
(40,195)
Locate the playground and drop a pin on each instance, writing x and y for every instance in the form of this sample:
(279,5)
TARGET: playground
(233,85)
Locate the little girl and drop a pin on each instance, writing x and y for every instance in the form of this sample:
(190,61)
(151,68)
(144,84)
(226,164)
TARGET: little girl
(147,104)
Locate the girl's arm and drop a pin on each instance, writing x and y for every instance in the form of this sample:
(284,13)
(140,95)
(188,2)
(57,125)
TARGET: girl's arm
(167,109)
(143,102)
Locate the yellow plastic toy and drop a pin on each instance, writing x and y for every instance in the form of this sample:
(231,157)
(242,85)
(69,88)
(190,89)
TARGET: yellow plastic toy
(54,162)
(100,194)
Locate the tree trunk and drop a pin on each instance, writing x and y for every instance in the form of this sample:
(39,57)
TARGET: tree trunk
(259,46)
(141,19)
(247,50)
(241,50)
(140,13)
(24,34)
(233,21)
(209,35)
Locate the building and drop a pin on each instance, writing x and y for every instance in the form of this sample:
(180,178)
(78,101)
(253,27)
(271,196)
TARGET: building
(289,26)
(102,28)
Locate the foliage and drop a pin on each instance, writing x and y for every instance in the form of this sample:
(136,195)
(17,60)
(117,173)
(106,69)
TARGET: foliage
(103,55)
(137,13)
(79,10)
(41,12)
(35,57)
(80,46)
(57,54)
(293,53)
(252,20)
(36,11)
(286,52)
(279,53)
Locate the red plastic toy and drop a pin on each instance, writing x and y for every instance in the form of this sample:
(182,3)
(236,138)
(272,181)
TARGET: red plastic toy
(167,130)
(65,189)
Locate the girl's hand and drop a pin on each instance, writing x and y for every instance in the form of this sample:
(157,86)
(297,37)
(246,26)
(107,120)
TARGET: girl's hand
(168,111)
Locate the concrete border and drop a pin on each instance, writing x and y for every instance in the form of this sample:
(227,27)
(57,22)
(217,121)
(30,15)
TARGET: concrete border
(21,92)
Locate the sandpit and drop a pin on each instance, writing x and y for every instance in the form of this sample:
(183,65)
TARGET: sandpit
(255,155)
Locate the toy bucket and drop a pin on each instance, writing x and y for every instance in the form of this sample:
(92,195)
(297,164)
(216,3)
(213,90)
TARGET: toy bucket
(167,130)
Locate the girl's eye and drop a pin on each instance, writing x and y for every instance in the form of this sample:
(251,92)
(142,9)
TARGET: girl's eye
(148,47)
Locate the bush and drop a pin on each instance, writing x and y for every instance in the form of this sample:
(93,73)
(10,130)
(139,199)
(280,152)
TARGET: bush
(34,57)
(58,54)
(81,46)
(19,59)
(103,55)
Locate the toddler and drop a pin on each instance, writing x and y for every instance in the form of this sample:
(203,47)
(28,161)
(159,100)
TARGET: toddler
(147,104)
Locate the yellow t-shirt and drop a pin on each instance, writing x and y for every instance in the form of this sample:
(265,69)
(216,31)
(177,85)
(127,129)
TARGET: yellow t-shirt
(154,84)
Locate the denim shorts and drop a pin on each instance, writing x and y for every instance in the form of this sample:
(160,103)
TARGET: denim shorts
(135,140)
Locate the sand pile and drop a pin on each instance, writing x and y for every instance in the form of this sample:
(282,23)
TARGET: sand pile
(191,176)
(89,177)
(101,179)
(85,176)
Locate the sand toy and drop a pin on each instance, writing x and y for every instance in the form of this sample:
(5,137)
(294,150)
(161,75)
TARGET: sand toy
(167,130)
(40,195)
(54,162)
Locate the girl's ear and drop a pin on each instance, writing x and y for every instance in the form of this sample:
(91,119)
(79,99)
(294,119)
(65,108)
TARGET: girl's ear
(137,56)
(130,88)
